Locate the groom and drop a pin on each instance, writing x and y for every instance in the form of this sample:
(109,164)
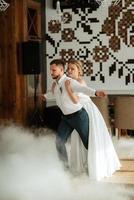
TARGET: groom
(74,115)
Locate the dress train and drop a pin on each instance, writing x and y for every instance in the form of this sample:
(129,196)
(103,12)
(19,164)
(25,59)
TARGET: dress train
(100,160)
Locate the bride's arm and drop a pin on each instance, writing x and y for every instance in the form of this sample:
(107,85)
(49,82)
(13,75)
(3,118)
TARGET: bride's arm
(72,95)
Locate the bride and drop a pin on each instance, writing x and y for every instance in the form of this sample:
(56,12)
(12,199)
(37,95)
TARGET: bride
(101,159)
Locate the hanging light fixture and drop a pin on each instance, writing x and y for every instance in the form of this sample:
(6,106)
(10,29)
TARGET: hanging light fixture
(58,9)
(60,16)
(3,5)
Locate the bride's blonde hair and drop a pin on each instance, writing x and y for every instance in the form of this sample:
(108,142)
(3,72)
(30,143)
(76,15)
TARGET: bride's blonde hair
(78,64)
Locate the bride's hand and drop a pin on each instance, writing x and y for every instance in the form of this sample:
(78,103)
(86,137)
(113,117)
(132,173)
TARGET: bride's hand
(68,85)
(100,93)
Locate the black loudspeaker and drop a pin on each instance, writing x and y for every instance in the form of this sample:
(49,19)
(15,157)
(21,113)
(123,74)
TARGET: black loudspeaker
(31,57)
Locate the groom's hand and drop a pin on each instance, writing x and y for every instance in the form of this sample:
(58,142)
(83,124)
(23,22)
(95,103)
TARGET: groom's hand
(43,98)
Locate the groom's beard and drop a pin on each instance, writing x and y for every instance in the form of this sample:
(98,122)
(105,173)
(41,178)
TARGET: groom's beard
(56,77)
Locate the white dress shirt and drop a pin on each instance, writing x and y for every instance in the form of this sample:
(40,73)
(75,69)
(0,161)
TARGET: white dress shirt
(63,100)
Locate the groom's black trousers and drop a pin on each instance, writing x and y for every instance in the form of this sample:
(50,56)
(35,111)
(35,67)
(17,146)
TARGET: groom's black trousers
(78,121)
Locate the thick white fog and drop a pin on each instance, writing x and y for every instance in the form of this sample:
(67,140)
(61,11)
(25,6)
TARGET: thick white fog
(31,170)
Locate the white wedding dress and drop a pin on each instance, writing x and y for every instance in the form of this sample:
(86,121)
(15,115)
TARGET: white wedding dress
(100,160)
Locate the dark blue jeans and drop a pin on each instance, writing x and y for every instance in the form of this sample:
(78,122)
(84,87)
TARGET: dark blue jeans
(78,121)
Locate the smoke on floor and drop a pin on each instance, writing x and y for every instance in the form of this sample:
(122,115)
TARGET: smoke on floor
(31,170)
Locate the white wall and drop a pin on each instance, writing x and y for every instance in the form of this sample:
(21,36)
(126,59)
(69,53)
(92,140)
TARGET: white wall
(84,43)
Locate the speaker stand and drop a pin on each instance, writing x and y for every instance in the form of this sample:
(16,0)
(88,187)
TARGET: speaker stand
(36,120)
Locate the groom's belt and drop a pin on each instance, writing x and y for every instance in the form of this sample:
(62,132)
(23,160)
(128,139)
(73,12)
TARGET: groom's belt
(75,113)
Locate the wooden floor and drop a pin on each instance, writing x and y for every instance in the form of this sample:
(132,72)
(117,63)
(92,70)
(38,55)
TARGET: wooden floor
(125,175)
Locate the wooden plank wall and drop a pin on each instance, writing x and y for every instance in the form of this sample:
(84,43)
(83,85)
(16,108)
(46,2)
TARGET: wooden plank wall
(13,89)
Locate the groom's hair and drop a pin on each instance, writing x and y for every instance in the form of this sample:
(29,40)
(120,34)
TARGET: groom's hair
(58,62)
